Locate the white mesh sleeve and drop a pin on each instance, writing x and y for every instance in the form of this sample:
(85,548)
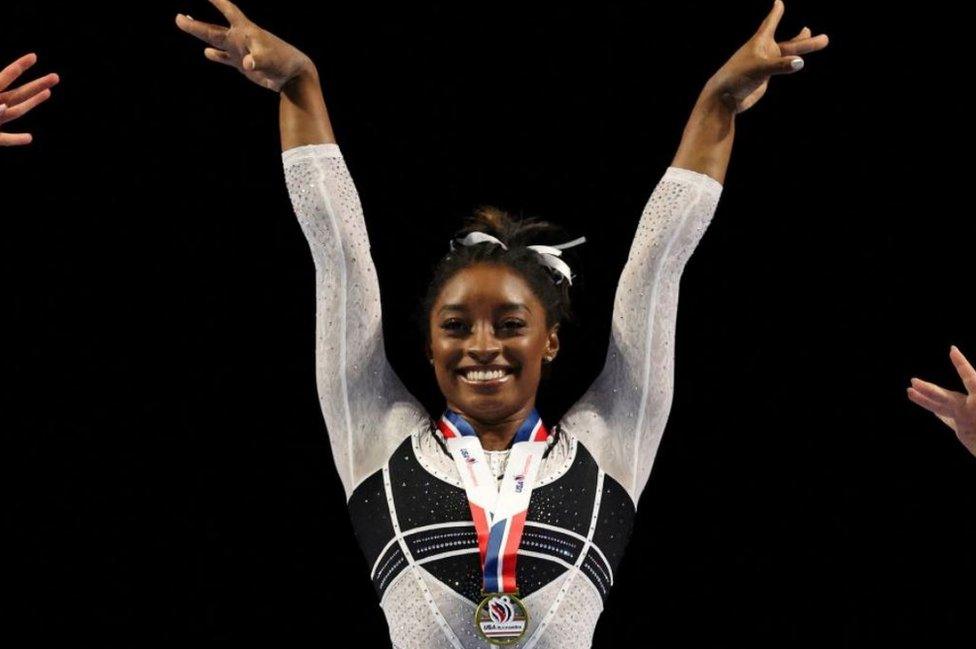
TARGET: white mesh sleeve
(367,410)
(621,417)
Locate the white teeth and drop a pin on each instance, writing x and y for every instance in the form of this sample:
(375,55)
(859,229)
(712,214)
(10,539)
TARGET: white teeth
(483,375)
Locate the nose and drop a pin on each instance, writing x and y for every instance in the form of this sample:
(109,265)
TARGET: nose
(483,346)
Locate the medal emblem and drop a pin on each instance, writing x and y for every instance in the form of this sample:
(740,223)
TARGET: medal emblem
(501,618)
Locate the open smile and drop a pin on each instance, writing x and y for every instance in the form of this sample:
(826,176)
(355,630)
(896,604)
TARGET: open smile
(486,377)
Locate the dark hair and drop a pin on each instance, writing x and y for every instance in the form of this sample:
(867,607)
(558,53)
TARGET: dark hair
(516,234)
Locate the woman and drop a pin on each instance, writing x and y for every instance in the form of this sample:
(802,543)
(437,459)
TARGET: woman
(487,526)
(955,409)
(16,102)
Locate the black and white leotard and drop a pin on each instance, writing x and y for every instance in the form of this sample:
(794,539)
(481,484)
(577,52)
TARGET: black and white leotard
(405,497)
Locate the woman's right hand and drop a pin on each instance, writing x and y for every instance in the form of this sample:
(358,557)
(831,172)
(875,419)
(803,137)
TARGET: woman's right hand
(259,55)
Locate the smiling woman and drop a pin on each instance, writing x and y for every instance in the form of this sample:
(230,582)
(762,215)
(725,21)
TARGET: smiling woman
(484,525)
(491,319)
(488,341)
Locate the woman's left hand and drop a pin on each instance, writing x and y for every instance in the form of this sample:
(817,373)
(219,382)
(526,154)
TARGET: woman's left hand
(955,409)
(743,80)
(256,53)
(16,102)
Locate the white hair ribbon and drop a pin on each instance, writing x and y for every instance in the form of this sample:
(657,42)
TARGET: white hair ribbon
(548,255)
(474,238)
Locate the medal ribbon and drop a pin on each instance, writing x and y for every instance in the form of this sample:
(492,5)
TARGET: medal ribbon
(498,513)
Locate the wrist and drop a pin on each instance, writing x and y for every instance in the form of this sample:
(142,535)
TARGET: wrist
(706,143)
(715,104)
(306,75)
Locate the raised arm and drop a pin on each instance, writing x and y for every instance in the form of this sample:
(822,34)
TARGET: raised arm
(366,408)
(622,416)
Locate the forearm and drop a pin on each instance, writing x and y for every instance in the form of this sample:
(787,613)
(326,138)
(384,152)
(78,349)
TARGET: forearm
(706,144)
(303,117)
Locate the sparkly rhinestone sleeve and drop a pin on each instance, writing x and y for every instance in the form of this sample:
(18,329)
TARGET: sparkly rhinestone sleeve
(367,409)
(622,416)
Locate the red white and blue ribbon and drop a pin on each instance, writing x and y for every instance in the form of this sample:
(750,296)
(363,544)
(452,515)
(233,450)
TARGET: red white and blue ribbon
(498,512)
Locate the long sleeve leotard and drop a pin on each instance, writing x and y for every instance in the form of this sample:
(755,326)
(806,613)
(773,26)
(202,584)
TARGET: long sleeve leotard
(405,498)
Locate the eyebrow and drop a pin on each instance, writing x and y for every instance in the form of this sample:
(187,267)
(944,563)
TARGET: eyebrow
(507,306)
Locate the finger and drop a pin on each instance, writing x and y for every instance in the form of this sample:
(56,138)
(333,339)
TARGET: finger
(20,109)
(783,65)
(10,73)
(28,90)
(229,10)
(220,56)
(803,46)
(935,408)
(769,25)
(964,368)
(15,139)
(936,393)
(215,35)
(803,33)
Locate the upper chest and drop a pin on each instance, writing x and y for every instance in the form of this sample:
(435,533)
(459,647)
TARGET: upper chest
(408,513)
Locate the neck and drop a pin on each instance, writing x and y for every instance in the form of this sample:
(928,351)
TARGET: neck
(496,435)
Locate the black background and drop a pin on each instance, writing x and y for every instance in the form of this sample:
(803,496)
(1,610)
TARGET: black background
(172,482)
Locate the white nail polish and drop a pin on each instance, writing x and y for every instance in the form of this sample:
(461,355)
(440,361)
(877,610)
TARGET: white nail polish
(796,64)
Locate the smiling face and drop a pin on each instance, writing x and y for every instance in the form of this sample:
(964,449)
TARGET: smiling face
(488,339)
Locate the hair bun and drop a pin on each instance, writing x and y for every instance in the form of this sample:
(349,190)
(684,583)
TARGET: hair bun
(510,230)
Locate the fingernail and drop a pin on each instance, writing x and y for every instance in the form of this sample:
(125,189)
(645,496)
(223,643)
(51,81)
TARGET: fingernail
(189,17)
(796,64)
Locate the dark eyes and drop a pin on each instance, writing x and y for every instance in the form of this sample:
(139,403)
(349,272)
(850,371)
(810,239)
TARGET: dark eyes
(455,325)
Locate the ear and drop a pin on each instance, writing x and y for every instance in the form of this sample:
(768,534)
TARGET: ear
(427,353)
(552,344)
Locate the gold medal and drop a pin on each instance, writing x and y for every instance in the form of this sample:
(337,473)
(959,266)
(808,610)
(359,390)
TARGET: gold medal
(501,618)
